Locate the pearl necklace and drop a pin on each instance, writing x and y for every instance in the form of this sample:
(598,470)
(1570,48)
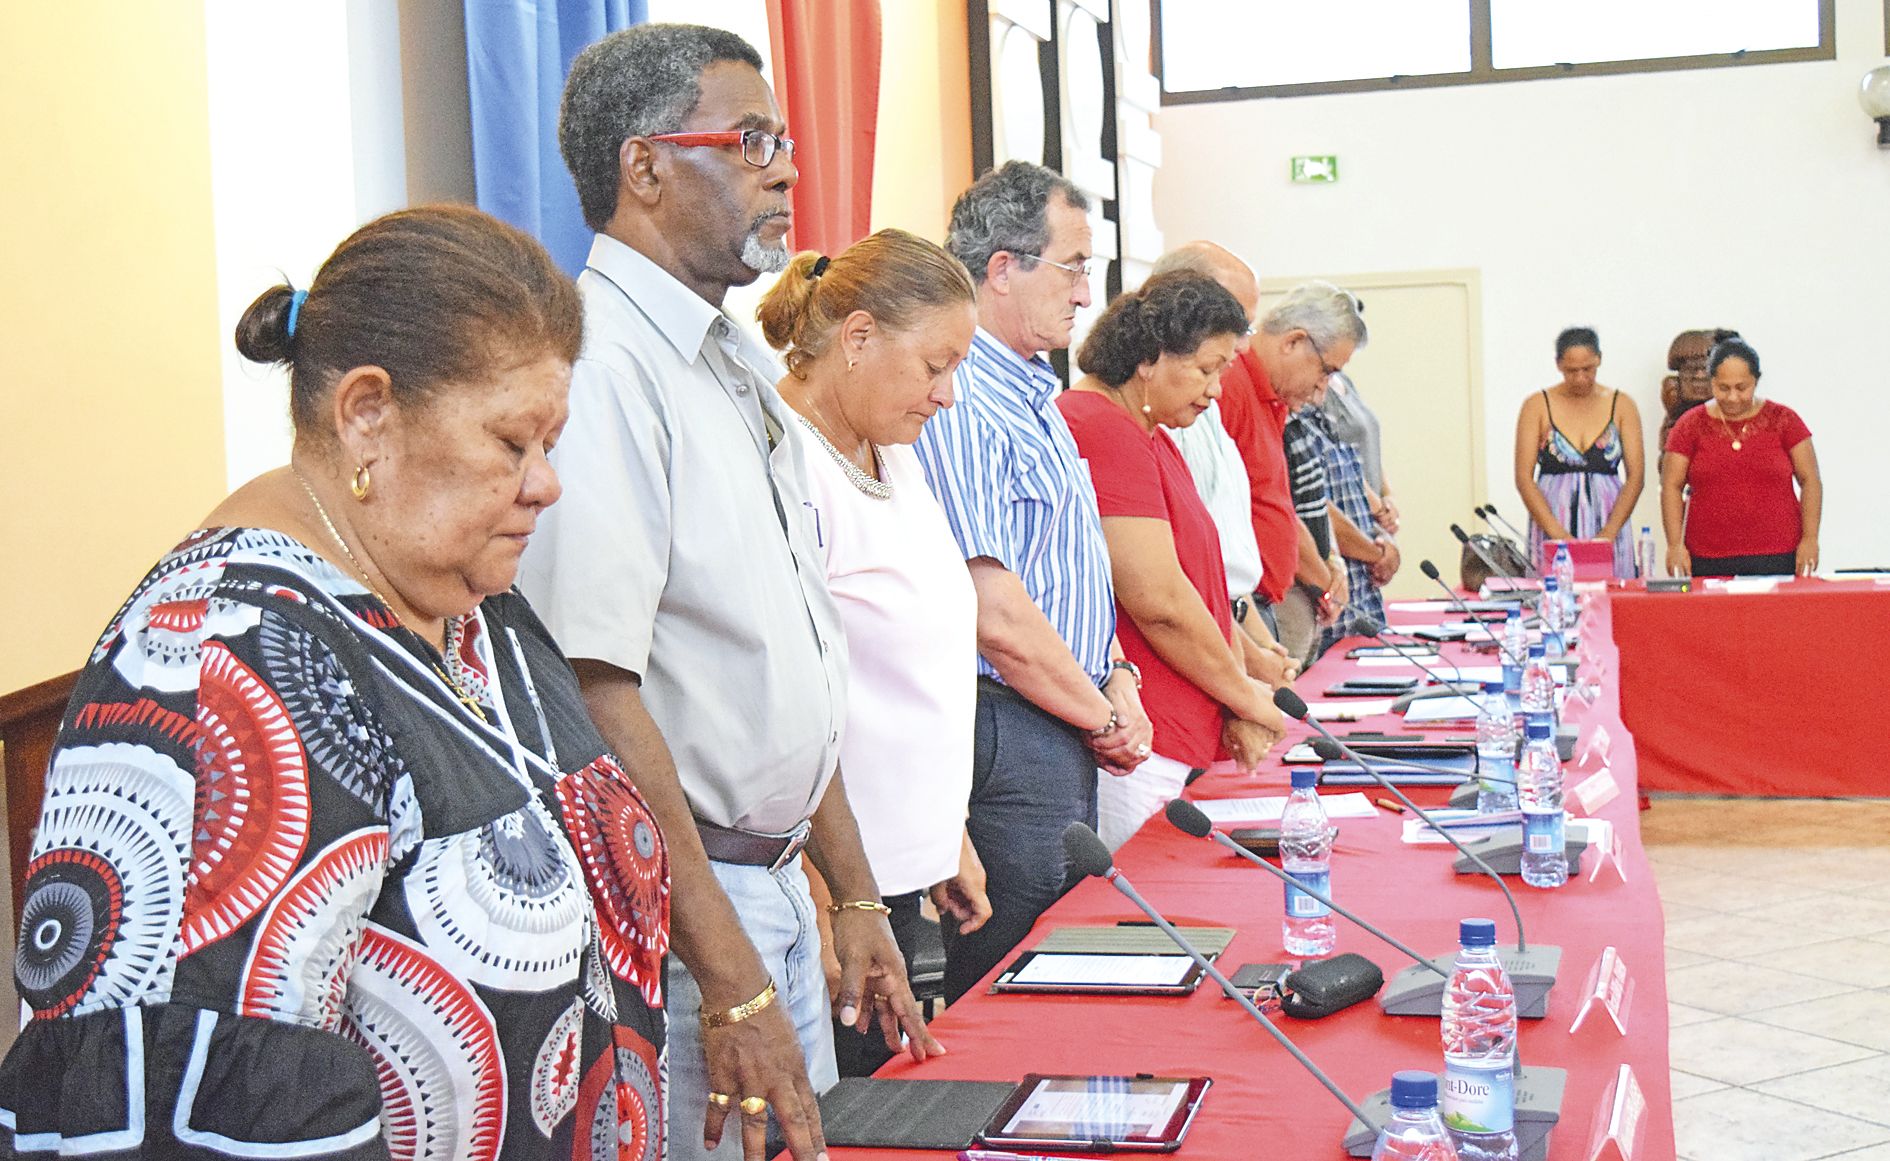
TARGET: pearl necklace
(450,674)
(877,489)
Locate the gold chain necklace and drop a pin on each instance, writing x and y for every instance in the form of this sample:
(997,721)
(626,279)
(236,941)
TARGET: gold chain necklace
(450,673)
(1738,441)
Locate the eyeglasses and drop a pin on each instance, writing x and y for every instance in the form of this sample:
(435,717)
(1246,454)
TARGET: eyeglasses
(758,146)
(1077,272)
(1326,370)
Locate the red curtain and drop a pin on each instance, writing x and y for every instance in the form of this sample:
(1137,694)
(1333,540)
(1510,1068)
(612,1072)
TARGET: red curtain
(826,76)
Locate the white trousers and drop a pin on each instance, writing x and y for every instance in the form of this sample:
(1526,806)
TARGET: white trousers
(1124,804)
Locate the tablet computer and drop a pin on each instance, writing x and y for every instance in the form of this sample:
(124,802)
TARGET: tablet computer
(1101,973)
(1098,1113)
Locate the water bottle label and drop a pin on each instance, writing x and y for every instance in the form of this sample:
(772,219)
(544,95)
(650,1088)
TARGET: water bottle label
(1543,833)
(1300,905)
(1497,773)
(1553,643)
(1480,1097)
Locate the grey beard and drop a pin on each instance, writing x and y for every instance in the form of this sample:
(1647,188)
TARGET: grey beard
(762,258)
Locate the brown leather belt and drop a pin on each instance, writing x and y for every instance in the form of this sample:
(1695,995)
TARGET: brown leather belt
(748,849)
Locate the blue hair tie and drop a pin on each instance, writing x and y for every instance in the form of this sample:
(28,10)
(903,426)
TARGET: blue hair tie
(295,309)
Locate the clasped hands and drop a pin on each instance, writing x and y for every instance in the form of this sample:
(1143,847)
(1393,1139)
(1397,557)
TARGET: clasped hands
(1126,746)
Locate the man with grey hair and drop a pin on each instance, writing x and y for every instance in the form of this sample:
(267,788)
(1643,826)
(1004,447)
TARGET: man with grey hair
(1056,699)
(684,583)
(1303,340)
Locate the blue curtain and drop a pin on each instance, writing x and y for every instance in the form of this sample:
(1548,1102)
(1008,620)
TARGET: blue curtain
(517,55)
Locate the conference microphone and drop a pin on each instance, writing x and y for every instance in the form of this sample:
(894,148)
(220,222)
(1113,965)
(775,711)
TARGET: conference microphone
(1430,570)
(1489,513)
(1088,854)
(1496,570)
(1188,819)
(1416,994)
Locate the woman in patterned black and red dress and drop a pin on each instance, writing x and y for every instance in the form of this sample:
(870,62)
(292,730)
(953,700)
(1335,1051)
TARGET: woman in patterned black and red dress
(332,861)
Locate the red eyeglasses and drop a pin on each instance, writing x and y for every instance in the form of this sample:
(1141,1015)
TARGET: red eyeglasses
(758,146)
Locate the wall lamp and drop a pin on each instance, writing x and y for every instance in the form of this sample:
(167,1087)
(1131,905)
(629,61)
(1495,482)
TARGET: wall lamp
(1874,96)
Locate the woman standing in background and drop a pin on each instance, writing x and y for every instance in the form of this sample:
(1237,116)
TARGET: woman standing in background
(1579,467)
(1727,480)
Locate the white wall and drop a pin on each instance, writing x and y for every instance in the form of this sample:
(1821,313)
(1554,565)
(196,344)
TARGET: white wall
(306,143)
(1641,205)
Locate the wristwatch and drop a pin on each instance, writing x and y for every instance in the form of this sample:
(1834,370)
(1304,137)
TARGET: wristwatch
(1125,664)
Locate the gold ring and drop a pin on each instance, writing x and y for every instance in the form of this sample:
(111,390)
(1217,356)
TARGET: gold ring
(754,1106)
(721,1100)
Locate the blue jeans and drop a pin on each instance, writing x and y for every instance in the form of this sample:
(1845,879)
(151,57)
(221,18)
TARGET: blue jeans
(1032,774)
(777,915)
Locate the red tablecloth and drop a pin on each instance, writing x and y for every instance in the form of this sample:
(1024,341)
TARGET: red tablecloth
(1772,694)
(1262,1104)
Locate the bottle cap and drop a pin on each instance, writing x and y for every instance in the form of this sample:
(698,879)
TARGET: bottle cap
(1538,649)
(1539,729)
(1550,584)
(1305,777)
(1512,614)
(1492,687)
(1413,1089)
(1477,932)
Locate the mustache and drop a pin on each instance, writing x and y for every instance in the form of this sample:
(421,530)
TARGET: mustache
(761,219)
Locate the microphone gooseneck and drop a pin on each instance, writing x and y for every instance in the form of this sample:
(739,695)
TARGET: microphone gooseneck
(1365,626)
(1188,818)
(1292,705)
(1489,512)
(1430,570)
(1329,751)
(1090,855)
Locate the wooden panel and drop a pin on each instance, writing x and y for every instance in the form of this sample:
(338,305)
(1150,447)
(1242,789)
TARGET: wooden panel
(29,720)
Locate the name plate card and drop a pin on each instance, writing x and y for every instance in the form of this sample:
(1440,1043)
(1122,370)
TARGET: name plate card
(1597,746)
(1596,791)
(1610,984)
(1620,1121)
(1607,846)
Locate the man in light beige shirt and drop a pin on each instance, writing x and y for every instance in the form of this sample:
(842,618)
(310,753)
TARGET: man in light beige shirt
(680,575)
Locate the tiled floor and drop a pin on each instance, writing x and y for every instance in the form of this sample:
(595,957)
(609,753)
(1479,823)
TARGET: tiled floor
(1778,975)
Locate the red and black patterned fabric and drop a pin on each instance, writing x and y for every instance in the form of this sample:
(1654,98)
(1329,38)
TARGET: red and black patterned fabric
(289,897)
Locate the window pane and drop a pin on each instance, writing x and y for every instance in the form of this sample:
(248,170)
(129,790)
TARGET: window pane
(1212,44)
(1543,32)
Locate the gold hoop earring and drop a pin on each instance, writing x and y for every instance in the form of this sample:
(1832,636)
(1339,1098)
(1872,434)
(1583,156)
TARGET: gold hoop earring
(359,486)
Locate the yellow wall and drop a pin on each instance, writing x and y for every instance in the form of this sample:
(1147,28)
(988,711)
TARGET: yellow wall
(111,428)
(922,158)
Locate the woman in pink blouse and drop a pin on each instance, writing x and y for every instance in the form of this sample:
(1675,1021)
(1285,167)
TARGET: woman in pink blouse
(870,338)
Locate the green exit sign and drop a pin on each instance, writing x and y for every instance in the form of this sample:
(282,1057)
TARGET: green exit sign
(1317,168)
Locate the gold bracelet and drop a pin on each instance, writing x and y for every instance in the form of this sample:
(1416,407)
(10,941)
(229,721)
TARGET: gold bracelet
(740,1012)
(859,905)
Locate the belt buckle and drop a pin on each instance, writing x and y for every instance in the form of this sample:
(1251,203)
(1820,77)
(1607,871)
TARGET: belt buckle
(797,838)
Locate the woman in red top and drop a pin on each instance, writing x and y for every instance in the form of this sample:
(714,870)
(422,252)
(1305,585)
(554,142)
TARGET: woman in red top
(1154,360)
(1736,458)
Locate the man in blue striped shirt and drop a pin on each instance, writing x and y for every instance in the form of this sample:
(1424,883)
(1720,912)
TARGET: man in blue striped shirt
(1055,698)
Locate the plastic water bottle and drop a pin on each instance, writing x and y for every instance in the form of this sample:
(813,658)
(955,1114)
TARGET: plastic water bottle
(1515,645)
(1496,752)
(1564,573)
(1414,1132)
(1479,1025)
(1538,687)
(1539,785)
(1554,617)
(1306,854)
(1644,553)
